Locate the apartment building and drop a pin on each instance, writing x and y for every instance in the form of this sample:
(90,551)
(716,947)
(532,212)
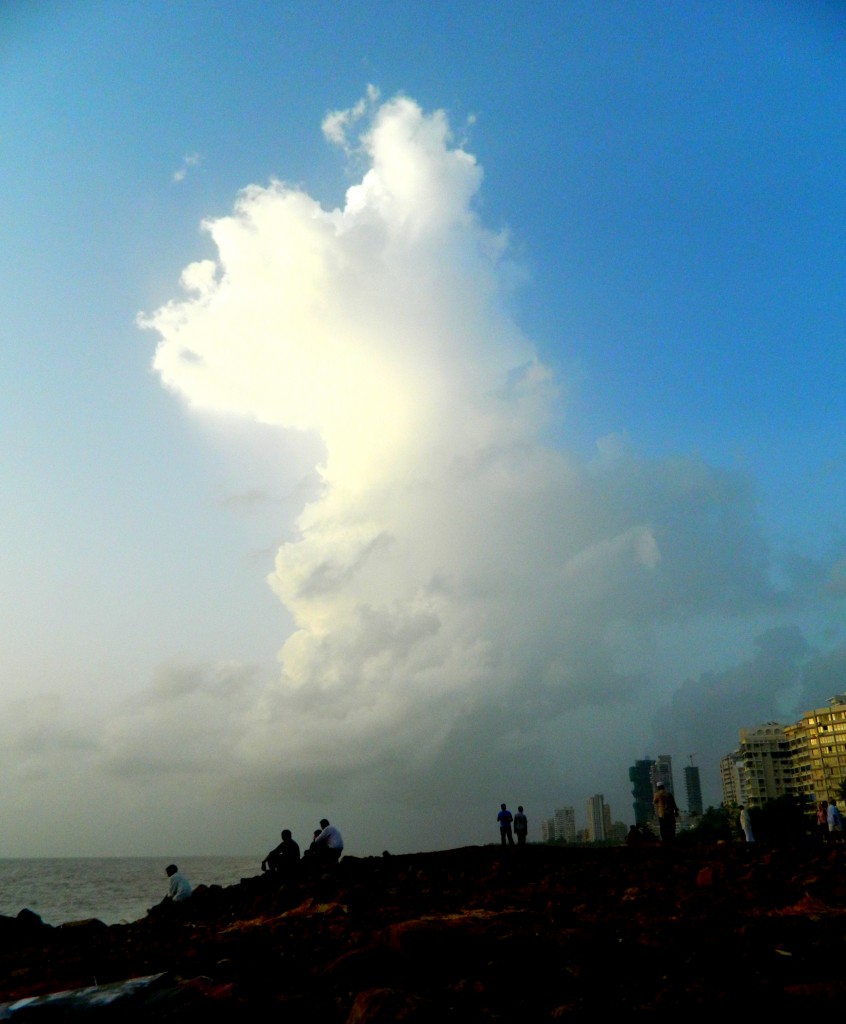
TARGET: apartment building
(817,745)
(761,769)
(565,824)
(598,818)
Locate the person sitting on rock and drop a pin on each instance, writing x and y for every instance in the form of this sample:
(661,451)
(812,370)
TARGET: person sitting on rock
(283,859)
(179,888)
(328,844)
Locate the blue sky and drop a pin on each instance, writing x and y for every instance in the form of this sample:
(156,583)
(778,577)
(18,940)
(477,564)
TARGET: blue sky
(662,185)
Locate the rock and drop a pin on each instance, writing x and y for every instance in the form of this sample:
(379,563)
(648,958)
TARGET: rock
(465,935)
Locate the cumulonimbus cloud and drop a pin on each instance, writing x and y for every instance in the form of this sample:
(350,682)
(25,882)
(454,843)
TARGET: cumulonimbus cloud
(452,561)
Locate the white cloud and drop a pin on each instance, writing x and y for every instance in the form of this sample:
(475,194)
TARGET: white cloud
(469,602)
(188,161)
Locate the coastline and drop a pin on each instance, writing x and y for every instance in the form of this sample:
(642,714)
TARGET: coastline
(470,934)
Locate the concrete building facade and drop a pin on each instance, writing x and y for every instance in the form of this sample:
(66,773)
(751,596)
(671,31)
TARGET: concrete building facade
(662,771)
(761,769)
(817,746)
(597,812)
(640,776)
(693,786)
(565,824)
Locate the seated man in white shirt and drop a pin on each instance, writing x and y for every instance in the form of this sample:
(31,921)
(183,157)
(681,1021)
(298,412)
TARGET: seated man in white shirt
(179,888)
(328,846)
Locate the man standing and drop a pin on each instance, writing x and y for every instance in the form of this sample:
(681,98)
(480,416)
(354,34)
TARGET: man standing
(667,811)
(835,822)
(521,826)
(505,818)
(746,823)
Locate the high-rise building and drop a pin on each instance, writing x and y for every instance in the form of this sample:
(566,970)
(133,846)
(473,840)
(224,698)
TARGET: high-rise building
(662,771)
(731,777)
(694,789)
(565,824)
(596,818)
(760,769)
(817,745)
(640,776)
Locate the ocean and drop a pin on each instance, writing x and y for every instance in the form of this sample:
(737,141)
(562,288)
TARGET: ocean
(114,889)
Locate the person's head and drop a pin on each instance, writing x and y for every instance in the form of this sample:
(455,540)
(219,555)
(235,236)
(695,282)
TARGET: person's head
(502,806)
(171,869)
(520,808)
(660,785)
(324,823)
(740,807)
(833,802)
(316,833)
(286,834)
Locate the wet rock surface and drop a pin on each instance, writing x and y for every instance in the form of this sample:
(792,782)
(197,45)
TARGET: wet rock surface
(473,934)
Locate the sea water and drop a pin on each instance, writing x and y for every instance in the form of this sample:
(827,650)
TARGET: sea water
(113,889)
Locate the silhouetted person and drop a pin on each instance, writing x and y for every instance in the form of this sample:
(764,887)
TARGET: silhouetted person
(635,836)
(179,888)
(283,859)
(328,844)
(835,822)
(746,823)
(521,826)
(666,811)
(505,818)
(822,820)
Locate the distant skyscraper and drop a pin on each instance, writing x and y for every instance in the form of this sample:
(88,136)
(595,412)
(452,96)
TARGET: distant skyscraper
(596,828)
(732,777)
(694,789)
(565,824)
(662,771)
(640,776)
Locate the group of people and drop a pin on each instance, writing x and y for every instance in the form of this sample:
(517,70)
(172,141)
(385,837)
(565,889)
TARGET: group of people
(325,850)
(829,821)
(511,825)
(283,861)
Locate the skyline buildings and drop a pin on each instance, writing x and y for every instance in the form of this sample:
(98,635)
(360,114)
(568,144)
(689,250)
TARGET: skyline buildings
(640,776)
(806,759)
(598,819)
(662,772)
(693,789)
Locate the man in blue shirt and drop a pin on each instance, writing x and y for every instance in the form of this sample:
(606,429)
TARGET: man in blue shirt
(504,818)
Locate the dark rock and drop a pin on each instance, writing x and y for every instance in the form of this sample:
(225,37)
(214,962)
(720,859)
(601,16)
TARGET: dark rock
(464,935)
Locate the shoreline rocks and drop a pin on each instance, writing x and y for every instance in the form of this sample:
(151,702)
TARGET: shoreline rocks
(473,934)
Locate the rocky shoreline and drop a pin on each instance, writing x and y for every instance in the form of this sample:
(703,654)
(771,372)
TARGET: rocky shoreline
(473,934)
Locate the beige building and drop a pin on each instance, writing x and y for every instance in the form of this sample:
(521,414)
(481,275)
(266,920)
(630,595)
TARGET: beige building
(818,750)
(761,769)
(731,777)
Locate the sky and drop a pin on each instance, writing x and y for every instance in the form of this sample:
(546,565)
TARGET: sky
(410,408)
